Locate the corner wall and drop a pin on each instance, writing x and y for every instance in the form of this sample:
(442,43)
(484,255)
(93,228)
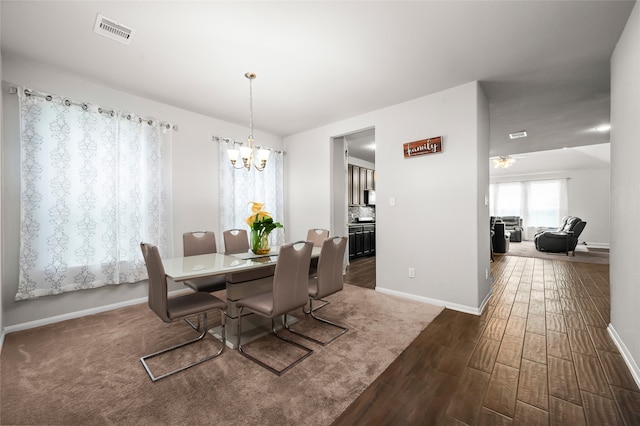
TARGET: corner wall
(625,193)
(437,225)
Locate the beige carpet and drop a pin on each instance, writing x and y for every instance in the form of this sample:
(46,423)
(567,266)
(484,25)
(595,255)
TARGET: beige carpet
(584,253)
(87,370)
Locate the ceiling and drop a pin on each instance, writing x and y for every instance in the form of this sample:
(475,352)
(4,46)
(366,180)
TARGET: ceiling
(589,157)
(544,65)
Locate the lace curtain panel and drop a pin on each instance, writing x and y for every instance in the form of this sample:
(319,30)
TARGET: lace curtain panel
(240,187)
(94,184)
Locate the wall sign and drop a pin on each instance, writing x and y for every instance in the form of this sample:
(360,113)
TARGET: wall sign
(422,147)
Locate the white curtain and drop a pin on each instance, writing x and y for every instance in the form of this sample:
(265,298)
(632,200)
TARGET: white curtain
(540,203)
(94,184)
(239,187)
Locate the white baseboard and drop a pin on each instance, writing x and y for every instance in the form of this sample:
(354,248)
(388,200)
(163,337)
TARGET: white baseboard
(628,359)
(598,245)
(437,302)
(79,314)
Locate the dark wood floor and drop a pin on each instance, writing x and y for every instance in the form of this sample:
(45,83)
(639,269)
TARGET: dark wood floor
(362,272)
(539,354)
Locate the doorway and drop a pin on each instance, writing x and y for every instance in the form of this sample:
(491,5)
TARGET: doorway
(353,198)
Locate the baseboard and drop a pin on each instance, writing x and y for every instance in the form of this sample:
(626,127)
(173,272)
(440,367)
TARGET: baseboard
(628,359)
(437,302)
(597,245)
(79,314)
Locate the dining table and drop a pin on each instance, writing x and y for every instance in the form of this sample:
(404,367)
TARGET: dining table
(246,274)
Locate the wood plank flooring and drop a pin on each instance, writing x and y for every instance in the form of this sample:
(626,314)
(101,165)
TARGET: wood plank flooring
(539,354)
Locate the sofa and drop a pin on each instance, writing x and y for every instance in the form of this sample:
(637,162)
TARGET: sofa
(563,239)
(513,224)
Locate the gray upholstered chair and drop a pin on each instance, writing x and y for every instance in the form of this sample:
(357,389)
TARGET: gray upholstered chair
(202,242)
(290,292)
(317,237)
(175,308)
(235,241)
(329,280)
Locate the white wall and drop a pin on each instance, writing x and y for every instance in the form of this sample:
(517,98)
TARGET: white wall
(588,198)
(1,144)
(195,181)
(434,226)
(625,192)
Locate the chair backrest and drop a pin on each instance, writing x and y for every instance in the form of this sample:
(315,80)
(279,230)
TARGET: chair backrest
(331,266)
(291,278)
(199,242)
(235,241)
(317,236)
(578,228)
(157,281)
(571,222)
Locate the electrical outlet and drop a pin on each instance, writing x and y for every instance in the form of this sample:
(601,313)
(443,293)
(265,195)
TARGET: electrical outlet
(392,201)
(412,273)
(486,274)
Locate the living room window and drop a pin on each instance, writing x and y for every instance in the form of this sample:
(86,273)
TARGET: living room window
(540,203)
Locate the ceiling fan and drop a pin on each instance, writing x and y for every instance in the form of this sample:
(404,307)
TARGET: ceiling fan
(505,161)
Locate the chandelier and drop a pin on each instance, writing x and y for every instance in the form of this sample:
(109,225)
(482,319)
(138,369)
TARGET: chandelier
(503,162)
(248,153)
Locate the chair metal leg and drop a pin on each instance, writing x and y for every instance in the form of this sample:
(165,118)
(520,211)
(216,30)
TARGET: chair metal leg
(311,311)
(326,302)
(308,351)
(205,330)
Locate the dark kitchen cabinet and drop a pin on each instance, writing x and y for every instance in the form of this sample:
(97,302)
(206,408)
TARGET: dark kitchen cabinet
(362,240)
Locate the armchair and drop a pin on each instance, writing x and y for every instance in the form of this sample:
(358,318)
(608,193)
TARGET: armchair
(500,236)
(513,224)
(564,239)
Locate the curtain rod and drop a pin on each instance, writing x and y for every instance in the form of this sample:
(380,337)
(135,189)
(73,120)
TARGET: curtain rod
(233,141)
(13,90)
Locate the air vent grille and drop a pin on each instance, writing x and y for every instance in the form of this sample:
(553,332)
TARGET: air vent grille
(518,135)
(111,29)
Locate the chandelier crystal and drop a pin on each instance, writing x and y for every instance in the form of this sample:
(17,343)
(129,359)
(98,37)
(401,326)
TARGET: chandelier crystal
(248,153)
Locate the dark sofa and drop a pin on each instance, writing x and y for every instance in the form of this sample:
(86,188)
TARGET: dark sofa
(513,224)
(561,240)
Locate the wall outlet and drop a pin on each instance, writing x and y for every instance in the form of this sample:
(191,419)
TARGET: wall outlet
(486,274)
(412,273)
(392,201)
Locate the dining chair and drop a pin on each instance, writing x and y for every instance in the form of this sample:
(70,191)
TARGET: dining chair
(328,280)
(175,308)
(317,237)
(202,242)
(196,243)
(289,292)
(235,241)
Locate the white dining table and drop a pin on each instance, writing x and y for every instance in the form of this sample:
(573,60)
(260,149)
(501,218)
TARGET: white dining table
(206,265)
(181,269)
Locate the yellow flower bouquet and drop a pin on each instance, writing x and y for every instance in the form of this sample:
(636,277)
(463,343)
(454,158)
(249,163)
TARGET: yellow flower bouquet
(261,224)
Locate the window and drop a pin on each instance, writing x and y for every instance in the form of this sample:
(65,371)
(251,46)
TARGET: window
(240,187)
(94,184)
(540,203)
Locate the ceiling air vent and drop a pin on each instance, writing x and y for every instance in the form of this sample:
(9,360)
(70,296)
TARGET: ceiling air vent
(518,135)
(111,29)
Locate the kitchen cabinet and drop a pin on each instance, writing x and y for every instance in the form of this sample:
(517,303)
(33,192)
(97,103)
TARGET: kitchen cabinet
(362,240)
(359,179)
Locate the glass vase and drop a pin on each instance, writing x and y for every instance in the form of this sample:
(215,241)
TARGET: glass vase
(260,242)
